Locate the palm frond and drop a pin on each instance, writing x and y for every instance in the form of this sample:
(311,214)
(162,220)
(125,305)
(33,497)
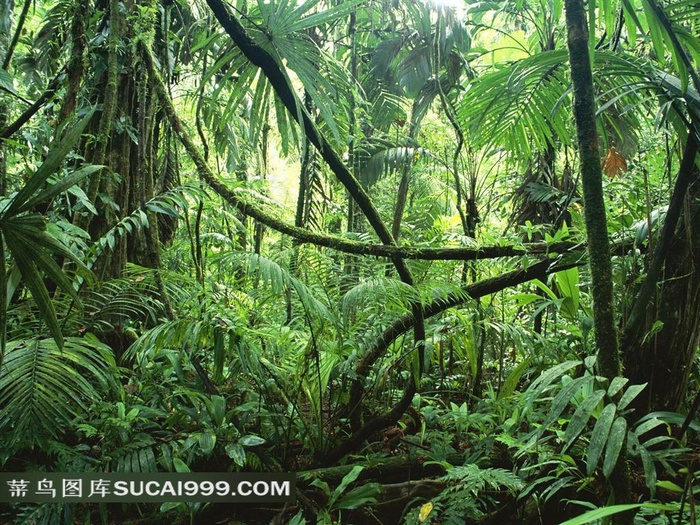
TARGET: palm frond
(43,386)
(378,292)
(521,106)
(631,82)
(118,301)
(386,108)
(170,203)
(517,106)
(278,279)
(181,335)
(136,456)
(391,160)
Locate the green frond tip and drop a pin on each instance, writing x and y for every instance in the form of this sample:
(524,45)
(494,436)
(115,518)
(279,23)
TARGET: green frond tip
(592,516)
(278,279)
(390,160)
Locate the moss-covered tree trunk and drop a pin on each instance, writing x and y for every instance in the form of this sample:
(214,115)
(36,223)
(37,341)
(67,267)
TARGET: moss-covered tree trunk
(6,7)
(592,177)
(126,133)
(596,222)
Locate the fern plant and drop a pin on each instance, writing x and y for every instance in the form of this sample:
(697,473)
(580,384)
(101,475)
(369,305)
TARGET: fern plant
(471,492)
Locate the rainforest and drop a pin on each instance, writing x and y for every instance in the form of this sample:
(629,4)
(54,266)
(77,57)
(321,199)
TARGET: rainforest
(432,260)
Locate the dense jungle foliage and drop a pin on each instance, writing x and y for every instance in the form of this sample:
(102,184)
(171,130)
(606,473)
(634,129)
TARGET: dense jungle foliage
(438,258)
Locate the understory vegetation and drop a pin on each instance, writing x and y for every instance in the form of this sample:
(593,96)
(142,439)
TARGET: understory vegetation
(437,259)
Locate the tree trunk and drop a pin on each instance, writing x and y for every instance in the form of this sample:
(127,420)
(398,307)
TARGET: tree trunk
(127,134)
(663,351)
(592,177)
(596,222)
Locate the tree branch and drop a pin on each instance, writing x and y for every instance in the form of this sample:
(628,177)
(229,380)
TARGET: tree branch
(402,325)
(269,66)
(405,323)
(34,108)
(242,203)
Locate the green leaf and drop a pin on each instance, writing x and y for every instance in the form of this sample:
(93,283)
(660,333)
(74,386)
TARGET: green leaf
(62,185)
(32,243)
(519,105)
(580,418)
(323,16)
(645,426)
(567,282)
(83,200)
(671,486)
(559,403)
(35,282)
(616,439)
(629,395)
(53,161)
(237,453)
(359,496)
(673,418)
(347,479)
(599,437)
(14,277)
(630,26)
(546,289)
(180,466)
(217,409)
(207,442)
(7,82)
(540,384)
(596,514)
(511,382)
(616,385)
(219,353)
(656,32)
(251,440)
(159,208)
(42,387)
(649,469)
(563,398)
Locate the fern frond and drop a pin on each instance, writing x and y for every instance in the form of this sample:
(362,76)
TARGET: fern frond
(466,495)
(136,456)
(169,203)
(473,479)
(117,301)
(386,108)
(180,334)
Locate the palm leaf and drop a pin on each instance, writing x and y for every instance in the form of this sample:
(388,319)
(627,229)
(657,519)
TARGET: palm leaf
(390,160)
(55,157)
(517,105)
(389,293)
(180,334)
(43,386)
(59,187)
(386,108)
(321,17)
(278,279)
(30,261)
